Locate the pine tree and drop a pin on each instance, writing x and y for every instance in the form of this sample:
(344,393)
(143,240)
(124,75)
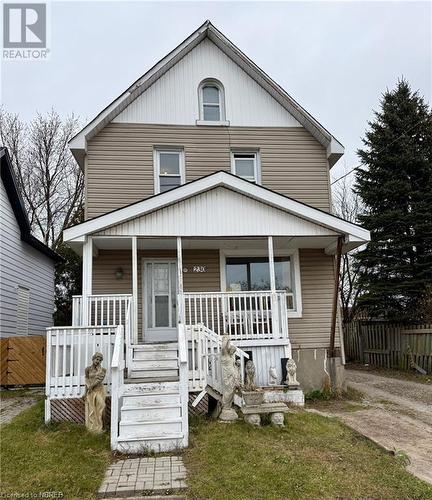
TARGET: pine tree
(395,185)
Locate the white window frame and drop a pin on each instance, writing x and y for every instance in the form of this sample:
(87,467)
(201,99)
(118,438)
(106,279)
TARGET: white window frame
(222,116)
(293,253)
(156,162)
(257,164)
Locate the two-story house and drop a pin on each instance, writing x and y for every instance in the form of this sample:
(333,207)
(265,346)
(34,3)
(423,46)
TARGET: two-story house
(208,211)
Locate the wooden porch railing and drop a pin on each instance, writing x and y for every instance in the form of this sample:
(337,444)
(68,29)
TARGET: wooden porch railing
(69,351)
(102,309)
(241,315)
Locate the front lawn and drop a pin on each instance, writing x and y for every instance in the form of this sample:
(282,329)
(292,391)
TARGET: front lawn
(313,457)
(62,458)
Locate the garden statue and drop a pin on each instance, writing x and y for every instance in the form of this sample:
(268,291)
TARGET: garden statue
(250,384)
(291,380)
(230,379)
(95,394)
(273,376)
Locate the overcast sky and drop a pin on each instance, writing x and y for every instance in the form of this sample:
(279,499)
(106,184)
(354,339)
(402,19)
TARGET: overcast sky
(334,58)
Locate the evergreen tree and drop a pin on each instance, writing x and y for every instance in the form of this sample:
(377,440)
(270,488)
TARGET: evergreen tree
(395,185)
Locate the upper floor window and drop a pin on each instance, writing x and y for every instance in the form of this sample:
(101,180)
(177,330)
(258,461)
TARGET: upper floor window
(169,169)
(246,165)
(211,99)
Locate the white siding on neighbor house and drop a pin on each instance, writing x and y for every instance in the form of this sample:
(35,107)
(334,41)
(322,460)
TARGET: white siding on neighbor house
(173,99)
(218,212)
(22,266)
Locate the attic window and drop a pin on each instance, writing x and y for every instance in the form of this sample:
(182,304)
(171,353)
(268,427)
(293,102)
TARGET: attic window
(212,105)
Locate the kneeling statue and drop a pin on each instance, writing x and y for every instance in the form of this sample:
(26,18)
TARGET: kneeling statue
(95,394)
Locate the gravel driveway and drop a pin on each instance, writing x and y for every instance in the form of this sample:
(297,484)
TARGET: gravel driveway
(397,414)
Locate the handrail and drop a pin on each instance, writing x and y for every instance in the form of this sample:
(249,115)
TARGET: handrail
(183,358)
(118,348)
(214,336)
(105,295)
(117,380)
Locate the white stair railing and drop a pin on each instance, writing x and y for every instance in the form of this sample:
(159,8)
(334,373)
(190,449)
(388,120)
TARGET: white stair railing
(117,380)
(204,347)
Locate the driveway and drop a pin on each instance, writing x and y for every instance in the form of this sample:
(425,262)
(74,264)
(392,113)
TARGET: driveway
(395,413)
(12,405)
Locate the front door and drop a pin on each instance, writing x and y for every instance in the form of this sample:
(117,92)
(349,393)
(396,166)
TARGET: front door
(160,300)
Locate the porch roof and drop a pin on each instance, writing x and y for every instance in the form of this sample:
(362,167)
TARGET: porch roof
(220,205)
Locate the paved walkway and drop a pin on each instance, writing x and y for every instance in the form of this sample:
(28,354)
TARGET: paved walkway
(138,476)
(396,414)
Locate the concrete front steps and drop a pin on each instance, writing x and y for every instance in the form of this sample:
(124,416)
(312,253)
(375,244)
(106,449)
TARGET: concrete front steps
(151,406)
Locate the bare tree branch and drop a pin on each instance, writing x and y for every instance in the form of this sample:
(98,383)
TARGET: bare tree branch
(51,183)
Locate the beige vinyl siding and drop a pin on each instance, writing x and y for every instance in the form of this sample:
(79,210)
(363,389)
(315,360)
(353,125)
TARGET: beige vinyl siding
(120,166)
(108,261)
(312,330)
(316,270)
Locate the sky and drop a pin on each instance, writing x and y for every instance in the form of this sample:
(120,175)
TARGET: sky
(335,58)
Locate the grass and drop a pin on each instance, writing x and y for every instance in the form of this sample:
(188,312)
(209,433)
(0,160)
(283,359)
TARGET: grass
(313,457)
(411,375)
(57,457)
(21,393)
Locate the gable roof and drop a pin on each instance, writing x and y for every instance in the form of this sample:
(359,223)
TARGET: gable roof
(17,204)
(354,234)
(78,143)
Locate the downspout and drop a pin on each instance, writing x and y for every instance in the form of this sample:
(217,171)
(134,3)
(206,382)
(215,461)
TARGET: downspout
(335,298)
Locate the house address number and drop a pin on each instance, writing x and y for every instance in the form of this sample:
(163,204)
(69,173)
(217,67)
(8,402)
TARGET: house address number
(195,269)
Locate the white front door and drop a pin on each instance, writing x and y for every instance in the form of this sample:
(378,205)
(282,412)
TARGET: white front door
(160,300)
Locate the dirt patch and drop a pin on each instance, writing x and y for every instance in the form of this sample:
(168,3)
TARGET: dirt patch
(396,414)
(12,405)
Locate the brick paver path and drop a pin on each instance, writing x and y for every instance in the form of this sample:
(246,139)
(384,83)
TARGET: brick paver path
(133,476)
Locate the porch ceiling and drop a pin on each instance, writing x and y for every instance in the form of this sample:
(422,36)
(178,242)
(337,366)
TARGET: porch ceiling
(247,244)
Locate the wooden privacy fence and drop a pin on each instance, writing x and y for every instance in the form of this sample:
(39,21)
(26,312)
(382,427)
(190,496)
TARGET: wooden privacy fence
(390,345)
(22,360)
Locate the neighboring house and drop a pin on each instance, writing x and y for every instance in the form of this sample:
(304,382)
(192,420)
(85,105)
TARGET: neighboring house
(26,265)
(207,212)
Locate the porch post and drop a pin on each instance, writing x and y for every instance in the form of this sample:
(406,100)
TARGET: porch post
(274,299)
(87,278)
(180,298)
(135,289)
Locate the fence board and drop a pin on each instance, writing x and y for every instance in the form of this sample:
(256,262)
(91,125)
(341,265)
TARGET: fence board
(389,345)
(23,360)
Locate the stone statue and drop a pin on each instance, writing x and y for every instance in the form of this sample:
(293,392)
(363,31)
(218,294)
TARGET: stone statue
(291,380)
(250,384)
(95,394)
(230,379)
(273,376)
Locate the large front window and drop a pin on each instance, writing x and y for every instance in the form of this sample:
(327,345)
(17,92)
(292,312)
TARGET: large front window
(253,274)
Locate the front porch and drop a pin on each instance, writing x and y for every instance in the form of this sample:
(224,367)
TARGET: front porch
(164,278)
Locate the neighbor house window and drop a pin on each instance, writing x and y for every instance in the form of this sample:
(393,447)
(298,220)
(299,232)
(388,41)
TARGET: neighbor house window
(245,165)
(169,169)
(22,317)
(253,274)
(211,99)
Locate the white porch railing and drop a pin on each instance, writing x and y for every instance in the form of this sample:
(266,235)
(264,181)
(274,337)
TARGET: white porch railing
(102,309)
(204,348)
(69,351)
(241,315)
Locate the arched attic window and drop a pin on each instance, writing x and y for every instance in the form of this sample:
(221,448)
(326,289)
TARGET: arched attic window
(212,101)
